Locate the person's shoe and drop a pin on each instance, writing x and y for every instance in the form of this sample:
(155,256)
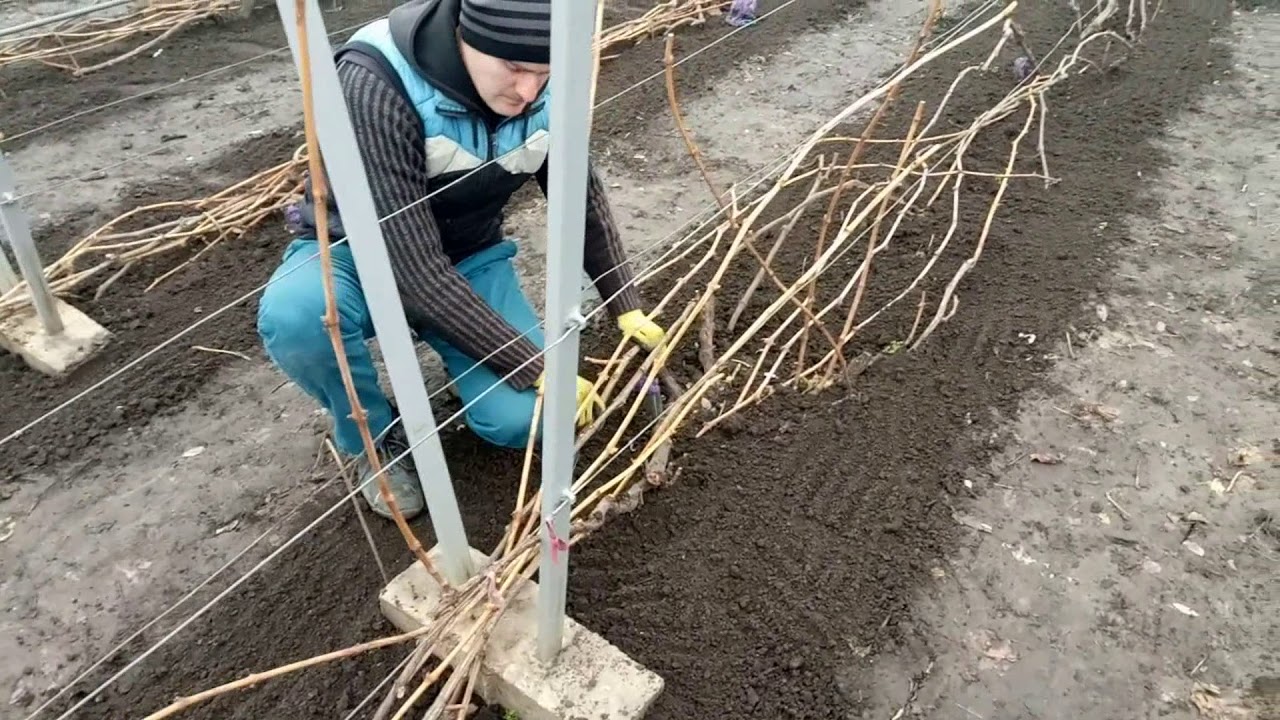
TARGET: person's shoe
(401,478)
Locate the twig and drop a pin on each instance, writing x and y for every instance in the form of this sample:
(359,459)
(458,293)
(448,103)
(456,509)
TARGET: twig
(913,689)
(518,514)
(595,67)
(82,71)
(986,229)
(793,218)
(926,30)
(768,271)
(355,503)
(232,353)
(669,61)
(707,336)
(320,191)
(916,323)
(1199,665)
(847,332)
(1116,505)
(256,678)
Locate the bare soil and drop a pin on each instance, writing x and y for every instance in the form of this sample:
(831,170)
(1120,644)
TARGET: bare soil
(49,95)
(791,551)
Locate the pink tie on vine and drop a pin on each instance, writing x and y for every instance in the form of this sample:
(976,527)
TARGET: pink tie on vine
(558,545)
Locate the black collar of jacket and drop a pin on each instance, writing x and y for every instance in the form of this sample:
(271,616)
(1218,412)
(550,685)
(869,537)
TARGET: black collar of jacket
(425,32)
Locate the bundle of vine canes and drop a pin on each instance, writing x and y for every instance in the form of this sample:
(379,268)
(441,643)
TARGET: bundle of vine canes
(665,17)
(930,160)
(63,45)
(110,251)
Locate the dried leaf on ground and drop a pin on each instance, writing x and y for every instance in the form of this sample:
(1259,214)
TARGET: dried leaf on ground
(1002,651)
(1185,610)
(1212,705)
(999,655)
(1108,414)
(1046,458)
(1244,456)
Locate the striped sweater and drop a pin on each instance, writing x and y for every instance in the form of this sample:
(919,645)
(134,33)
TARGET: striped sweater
(426,239)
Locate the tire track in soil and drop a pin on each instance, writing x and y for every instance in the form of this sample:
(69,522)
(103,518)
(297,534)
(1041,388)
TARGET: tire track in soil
(142,321)
(749,585)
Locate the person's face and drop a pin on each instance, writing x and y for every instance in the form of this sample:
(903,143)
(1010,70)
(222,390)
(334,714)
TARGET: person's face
(506,87)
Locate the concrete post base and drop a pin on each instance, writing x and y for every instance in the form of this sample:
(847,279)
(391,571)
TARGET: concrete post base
(590,679)
(23,334)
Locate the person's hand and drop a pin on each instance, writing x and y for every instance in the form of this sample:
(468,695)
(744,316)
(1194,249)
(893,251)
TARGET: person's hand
(635,324)
(588,400)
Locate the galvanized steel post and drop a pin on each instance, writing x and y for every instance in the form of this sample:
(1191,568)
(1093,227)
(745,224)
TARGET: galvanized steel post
(360,219)
(8,278)
(18,230)
(572,24)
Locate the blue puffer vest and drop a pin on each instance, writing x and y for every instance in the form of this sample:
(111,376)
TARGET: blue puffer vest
(457,142)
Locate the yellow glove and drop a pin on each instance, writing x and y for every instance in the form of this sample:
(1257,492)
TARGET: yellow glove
(638,325)
(588,400)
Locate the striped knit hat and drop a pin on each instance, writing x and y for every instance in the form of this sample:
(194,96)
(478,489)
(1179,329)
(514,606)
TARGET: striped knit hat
(515,30)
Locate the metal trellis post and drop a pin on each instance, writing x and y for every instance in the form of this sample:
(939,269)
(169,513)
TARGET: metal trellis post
(360,218)
(572,25)
(8,279)
(18,229)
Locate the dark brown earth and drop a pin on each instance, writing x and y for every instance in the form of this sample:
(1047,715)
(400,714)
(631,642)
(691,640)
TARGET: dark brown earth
(141,322)
(785,557)
(49,95)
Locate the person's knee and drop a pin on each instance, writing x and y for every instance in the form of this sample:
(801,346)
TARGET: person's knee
(506,421)
(292,330)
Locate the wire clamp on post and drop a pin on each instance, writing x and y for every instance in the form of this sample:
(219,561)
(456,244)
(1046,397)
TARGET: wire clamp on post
(558,544)
(576,320)
(566,499)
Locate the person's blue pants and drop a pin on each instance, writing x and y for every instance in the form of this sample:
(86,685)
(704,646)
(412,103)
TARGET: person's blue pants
(290,323)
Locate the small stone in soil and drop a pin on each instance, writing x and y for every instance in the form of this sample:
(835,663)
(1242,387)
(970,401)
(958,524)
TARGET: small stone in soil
(22,695)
